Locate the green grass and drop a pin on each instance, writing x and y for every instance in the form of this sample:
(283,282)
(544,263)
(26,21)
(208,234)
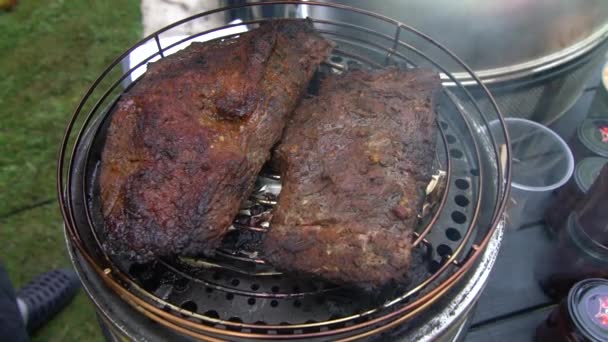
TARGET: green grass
(50,52)
(32,244)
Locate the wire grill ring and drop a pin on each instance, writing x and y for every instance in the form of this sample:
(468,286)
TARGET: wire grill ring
(70,214)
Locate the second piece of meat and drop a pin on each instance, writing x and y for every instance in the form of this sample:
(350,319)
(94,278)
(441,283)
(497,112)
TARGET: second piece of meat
(355,162)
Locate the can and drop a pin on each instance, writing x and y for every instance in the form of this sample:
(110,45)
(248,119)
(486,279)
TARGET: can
(582,316)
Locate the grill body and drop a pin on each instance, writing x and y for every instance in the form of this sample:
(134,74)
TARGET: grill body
(237,296)
(446,321)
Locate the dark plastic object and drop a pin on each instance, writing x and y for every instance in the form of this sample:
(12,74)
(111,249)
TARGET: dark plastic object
(47,294)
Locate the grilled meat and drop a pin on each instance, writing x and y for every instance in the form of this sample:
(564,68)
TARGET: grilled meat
(186,143)
(355,162)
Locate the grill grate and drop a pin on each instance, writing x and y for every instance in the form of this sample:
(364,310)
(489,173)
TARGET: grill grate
(236,293)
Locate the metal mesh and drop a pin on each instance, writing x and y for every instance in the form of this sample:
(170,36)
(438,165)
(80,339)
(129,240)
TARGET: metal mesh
(546,97)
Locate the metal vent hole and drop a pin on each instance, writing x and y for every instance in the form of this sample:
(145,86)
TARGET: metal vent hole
(212,314)
(444,250)
(189,305)
(461,200)
(459,217)
(453,234)
(462,184)
(456,153)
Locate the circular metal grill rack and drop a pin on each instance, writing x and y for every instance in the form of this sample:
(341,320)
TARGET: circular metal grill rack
(236,295)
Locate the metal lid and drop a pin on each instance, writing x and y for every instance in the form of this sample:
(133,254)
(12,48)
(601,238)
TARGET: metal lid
(588,307)
(587,171)
(593,133)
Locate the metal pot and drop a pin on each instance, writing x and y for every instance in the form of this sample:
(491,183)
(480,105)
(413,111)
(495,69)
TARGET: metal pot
(534,55)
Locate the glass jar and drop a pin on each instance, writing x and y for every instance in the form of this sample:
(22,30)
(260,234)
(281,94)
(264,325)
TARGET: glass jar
(571,194)
(582,316)
(576,255)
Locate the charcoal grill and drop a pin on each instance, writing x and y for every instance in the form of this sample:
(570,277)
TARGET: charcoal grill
(236,295)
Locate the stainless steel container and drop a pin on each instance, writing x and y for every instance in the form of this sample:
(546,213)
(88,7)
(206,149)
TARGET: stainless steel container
(534,55)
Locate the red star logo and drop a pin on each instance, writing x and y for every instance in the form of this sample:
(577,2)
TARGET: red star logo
(604,133)
(602,314)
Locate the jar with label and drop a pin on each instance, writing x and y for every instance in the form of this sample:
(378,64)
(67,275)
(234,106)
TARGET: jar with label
(582,316)
(591,139)
(576,255)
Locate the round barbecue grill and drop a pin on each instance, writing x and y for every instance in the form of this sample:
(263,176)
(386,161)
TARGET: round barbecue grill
(236,294)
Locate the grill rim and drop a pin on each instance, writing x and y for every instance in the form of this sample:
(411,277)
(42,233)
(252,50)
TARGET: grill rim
(436,274)
(67,208)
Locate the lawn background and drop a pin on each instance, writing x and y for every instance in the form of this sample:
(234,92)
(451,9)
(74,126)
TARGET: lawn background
(50,52)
